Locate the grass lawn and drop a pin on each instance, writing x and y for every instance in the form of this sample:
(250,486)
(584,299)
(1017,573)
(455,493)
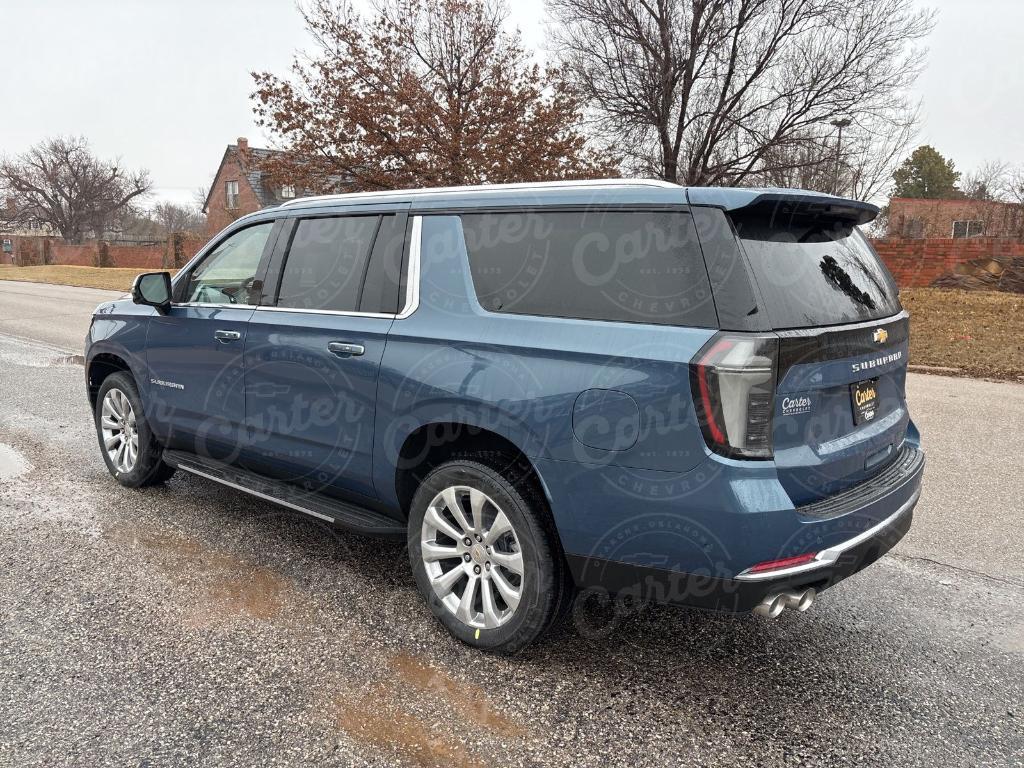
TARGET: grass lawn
(980,333)
(111,278)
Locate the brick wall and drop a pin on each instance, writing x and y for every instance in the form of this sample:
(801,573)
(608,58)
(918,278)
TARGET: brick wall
(918,262)
(29,252)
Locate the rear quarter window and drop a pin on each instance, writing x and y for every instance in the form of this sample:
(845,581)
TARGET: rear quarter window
(620,266)
(817,273)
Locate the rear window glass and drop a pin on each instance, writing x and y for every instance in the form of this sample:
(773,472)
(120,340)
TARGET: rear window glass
(638,267)
(817,274)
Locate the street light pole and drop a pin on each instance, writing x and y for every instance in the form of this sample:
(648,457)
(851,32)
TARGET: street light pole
(841,123)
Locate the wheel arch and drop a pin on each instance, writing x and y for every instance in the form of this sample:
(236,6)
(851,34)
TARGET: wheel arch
(432,444)
(100,367)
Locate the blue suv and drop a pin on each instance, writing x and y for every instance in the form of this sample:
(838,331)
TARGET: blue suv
(625,388)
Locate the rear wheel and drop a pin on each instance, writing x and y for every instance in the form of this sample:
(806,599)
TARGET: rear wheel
(130,451)
(485,557)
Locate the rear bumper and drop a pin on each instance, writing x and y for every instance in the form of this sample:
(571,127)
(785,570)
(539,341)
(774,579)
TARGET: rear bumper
(744,590)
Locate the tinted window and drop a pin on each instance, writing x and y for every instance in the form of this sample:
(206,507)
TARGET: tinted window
(639,267)
(380,290)
(227,275)
(817,274)
(731,282)
(326,263)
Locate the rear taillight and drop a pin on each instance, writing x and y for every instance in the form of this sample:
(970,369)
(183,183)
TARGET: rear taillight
(733,382)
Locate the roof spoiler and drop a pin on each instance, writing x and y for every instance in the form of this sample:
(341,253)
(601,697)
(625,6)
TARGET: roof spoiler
(787,203)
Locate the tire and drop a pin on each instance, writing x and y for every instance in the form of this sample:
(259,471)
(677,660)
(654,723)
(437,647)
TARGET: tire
(544,588)
(148,467)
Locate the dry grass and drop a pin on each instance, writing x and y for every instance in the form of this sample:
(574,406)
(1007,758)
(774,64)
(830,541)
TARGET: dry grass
(979,332)
(110,278)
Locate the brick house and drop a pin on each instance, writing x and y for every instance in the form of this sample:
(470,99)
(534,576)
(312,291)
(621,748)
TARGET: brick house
(240,187)
(914,218)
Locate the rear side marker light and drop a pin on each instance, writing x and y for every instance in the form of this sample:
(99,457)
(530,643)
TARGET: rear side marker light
(785,562)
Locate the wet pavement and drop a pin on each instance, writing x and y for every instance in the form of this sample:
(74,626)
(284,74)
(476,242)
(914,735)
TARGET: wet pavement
(191,624)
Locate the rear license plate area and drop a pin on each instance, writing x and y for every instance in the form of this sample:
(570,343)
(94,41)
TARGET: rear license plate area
(864,396)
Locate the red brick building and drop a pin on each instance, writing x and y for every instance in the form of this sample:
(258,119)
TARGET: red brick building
(914,218)
(240,187)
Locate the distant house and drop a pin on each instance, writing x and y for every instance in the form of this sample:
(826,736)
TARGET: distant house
(14,226)
(963,218)
(240,187)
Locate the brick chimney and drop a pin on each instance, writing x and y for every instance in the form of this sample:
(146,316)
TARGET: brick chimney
(243,144)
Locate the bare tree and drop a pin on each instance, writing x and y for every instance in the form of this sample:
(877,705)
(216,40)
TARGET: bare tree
(861,167)
(992,180)
(60,182)
(200,195)
(1015,185)
(177,218)
(161,221)
(732,91)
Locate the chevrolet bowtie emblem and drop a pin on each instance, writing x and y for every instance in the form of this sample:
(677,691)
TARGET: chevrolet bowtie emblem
(880,335)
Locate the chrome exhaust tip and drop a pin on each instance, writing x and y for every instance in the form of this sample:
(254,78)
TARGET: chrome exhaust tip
(771,606)
(775,604)
(799,601)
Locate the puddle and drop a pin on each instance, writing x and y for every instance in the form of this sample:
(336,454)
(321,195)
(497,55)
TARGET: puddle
(31,359)
(12,463)
(373,720)
(467,699)
(229,588)
(68,360)
(381,717)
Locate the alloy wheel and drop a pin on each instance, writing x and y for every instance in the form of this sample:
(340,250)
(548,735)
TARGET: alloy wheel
(120,433)
(472,557)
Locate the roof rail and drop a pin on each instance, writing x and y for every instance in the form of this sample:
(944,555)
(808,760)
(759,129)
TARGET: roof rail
(484,188)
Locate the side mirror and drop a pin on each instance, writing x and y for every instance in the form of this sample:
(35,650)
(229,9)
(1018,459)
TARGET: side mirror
(153,289)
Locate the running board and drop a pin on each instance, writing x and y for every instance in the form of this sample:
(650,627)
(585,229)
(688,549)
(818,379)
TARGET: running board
(334,511)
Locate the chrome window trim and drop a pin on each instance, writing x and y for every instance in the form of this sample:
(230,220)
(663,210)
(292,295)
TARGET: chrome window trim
(412,283)
(211,305)
(832,554)
(343,313)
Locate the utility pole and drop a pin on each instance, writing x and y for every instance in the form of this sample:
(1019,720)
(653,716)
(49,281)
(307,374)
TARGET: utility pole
(843,122)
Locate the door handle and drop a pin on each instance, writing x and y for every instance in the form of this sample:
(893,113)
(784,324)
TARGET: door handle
(226,336)
(345,349)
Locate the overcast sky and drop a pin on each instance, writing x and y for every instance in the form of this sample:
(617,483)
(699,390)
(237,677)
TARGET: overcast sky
(165,85)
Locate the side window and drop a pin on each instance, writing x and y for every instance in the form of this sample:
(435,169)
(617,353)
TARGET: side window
(623,266)
(326,263)
(227,275)
(383,276)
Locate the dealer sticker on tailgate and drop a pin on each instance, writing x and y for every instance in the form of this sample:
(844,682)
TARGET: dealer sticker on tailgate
(865,400)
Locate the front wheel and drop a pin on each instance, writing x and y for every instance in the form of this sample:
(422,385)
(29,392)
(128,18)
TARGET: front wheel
(485,557)
(129,449)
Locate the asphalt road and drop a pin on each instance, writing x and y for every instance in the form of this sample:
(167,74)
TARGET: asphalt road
(55,314)
(194,625)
